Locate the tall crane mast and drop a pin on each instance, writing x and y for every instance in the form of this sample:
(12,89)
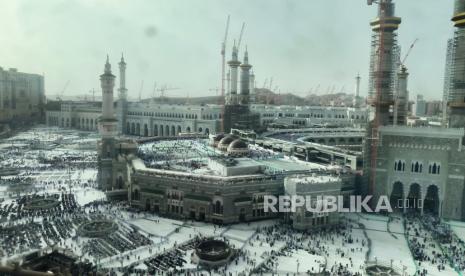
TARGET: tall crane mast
(62,92)
(223,65)
(223,56)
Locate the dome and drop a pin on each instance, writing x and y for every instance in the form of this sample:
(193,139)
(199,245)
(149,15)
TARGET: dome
(224,143)
(238,144)
(214,140)
(218,137)
(238,147)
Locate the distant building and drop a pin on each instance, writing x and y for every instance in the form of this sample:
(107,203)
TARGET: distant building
(153,119)
(420,109)
(22,97)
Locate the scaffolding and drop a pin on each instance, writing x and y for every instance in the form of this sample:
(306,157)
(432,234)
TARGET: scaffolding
(384,62)
(455,92)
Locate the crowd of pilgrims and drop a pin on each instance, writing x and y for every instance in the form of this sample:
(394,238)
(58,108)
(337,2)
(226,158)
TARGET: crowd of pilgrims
(171,262)
(36,161)
(123,240)
(24,229)
(315,243)
(432,242)
(32,228)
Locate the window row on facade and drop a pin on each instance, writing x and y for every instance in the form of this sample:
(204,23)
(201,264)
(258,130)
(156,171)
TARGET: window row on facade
(417,167)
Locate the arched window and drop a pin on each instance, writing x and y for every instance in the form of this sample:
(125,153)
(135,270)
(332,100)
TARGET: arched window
(218,208)
(136,194)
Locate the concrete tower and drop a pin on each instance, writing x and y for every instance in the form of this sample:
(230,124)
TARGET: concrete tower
(456,93)
(245,80)
(233,64)
(357,99)
(382,84)
(107,129)
(252,86)
(383,63)
(122,98)
(228,84)
(401,101)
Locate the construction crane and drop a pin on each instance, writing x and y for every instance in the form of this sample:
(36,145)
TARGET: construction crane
(223,56)
(402,63)
(93,94)
(223,68)
(240,37)
(165,88)
(60,95)
(154,90)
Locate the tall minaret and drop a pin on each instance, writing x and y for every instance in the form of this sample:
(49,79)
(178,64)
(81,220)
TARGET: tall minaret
(383,63)
(381,88)
(228,86)
(245,80)
(357,92)
(108,119)
(122,97)
(233,64)
(456,92)
(252,86)
(401,99)
(107,129)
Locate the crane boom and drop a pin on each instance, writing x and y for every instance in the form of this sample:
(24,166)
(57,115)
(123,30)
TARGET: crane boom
(240,37)
(225,36)
(409,51)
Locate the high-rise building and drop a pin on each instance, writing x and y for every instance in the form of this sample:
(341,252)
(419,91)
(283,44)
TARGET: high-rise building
(420,109)
(22,97)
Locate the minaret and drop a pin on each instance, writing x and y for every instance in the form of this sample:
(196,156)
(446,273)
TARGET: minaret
(107,129)
(228,87)
(401,101)
(357,92)
(122,97)
(252,86)
(384,59)
(245,80)
(383,63)
(122,91)
(234,64)
(456,93)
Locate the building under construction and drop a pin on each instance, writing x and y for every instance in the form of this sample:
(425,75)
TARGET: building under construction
(421,169)
(382,81)
(454,94)
(237,112)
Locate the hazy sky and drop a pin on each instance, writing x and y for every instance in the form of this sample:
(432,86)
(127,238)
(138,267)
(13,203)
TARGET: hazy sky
(300,43)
